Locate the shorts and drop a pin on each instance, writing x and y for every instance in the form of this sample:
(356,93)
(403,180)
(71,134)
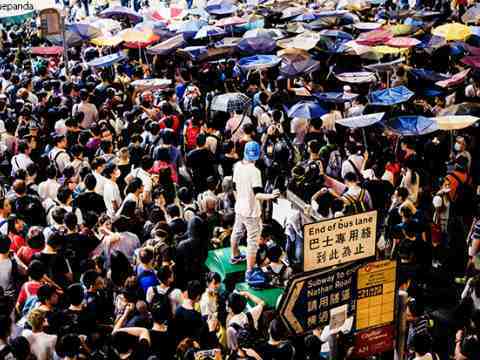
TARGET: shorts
(253,226)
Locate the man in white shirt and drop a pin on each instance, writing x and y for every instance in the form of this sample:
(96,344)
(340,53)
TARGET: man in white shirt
(143,174)
(48,189)
(248,192)
(58,155)
(354,161)
(22,159)
(98,164)
(89,110)
(5,210)
(111,192)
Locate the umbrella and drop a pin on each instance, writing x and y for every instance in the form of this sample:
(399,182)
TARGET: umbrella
(385,66)
(167,46)
(75,34)
(209,31)
(258,62)
(332,13)
(411,125)
(228,42)
(275,34)
(190,26)
(308,16)
(107,40)
(221,7)
(361,121)
(151,84)
(390,96)
(292,66)
(326,22)
(306,110)
(335,97)
(107,25)
(166,13)
(466,108)
(46,50)
(473,50)
(305,41)
(137,39)
(200,12)
(107,60)
(453,31)
(257,45)
(356,77)
(367,26)
(456,79)
(336,34)
(374,37)
(230,102)
(292,11)
(195,52)
(230,21)
(120,11)
(472,14)
(428,75)
(401,29)
(388,50)
(455,122)
(472,61)
(403,42)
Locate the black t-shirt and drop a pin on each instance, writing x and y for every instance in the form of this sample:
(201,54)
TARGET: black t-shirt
(57,267)
(90,201)
(78,248)
(162,344)
(80,322)
(380,192)
(201,162)
(282,351)
(189,323)
(140,351)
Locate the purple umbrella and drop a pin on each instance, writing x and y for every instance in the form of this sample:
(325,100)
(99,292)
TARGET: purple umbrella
(120,11)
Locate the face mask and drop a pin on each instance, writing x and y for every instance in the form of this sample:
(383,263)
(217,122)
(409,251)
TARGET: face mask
(437,201)
(457,147)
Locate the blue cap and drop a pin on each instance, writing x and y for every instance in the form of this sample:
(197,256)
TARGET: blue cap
(252,151)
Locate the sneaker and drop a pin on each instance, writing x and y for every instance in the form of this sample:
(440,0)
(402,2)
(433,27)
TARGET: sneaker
(238,259)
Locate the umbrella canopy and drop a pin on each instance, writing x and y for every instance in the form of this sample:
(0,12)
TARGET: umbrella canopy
(403,42)
(137,39)
(168,46)
(275,34)
(306,110)
(151,84)
(356,77)
(231,102)
(456,79)
(209,31)
(336,34)
(189,26)
(455,122)
(292,66)
(258,62)
(390,96)
(466,108)
(472,61)
(401,29)
(231,21)
(335,97)
(200,12)
(121,12)
(453,31)
(361,121)
(107,40)
(367,26)
(292,11)
(221,7)
(472,15)
(194,52)
(261,44)
(374,37)
(385,66)
(47,50)
(428,75)
(107,25)
(388,50)
(305,41)
(107,60)
(411,125)
(166,13)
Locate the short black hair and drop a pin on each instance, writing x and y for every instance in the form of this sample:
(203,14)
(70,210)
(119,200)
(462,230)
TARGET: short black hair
(89,278)
(5,244)
(237,303)
(76,294)
(194,289)
(36,270)
(350,177)
(90,182)
(45,292)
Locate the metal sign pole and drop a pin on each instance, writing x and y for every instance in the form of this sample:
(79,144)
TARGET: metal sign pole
(65,48)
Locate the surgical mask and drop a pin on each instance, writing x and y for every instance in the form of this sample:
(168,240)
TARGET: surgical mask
(457,147)
(437,201)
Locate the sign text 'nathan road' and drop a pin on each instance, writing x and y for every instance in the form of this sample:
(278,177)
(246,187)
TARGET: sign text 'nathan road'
(338,241)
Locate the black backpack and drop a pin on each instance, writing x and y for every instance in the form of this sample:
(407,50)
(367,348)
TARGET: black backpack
(248,334)
(465,197)
(160,301)
(276,279)
(6,353)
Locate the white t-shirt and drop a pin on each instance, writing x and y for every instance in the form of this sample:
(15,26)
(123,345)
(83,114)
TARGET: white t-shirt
(20,161)
(60,158)
(48,189)
(145,177)
(42,345)
(111,193)
(242,320)
(99,188)
(247,177)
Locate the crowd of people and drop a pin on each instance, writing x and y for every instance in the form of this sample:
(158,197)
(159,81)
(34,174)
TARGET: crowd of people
(112,197)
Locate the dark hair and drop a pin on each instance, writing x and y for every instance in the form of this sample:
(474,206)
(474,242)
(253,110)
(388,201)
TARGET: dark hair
(120,268)
(5,243)
(76,294)
(350,177)
(237,303)
(164,273)
(70,220)
(36,270)
(274,253)
(90,181)
(63,194)
(45,292)
(277,330)
(58,214)
(421,343)
(146,255)
(89,278)
(69,345)
(213,276)
(134,185)
(35,238)
(56,240)
(194,289)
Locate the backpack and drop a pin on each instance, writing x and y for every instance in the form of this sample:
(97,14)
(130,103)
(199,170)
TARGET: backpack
(150,146)
(54,159)
(6,353)
(356,205)
(334,166)
(465,197)
(191,133)
(258,279)
(276,279)
(160,301)
(248,335)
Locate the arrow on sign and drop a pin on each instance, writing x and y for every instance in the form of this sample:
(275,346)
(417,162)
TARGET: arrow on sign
(292,319)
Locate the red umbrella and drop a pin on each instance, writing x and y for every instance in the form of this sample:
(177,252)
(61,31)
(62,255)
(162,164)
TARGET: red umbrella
(472,61)
(374,37)
(47,50)
(403,42)
(456,79)
(473,50)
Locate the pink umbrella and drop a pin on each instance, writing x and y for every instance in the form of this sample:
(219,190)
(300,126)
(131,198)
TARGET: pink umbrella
(473,50)
(374,37)
(47,50)
(403,42)
(456,79)
(472,61)
(166,13)
(231,21)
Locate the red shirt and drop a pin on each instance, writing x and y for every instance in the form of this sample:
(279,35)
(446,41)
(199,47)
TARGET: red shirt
(30,288)
(17,242)
(25,254)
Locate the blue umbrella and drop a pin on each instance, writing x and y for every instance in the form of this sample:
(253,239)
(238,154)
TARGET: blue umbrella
(75,34)
(107,60)
(190,26)
(390,96)
(428,75)
(411,125)
(209,31)
(291,67)
(306,110)
(309,16)
(223,8)
(258,62)
(168,46)
(121,11)
(257,45)
(335,97)
(336,34)
(195,52)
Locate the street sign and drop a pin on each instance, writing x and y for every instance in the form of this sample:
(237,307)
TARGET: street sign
(308,298)
(338,241)
(50,22)
(376,290)
(374,341)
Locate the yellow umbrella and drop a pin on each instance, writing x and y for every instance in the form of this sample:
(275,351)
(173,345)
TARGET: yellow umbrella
(388,50)
(453,31)
(290,52)
(455,122)
(106,40)
(400,29)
